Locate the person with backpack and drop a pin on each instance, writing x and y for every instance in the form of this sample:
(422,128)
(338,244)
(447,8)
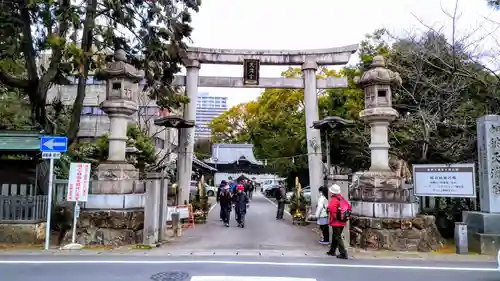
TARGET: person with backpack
(339,213)
(280,195)
(322,215)
(226,199)
(220,191)
(240,200)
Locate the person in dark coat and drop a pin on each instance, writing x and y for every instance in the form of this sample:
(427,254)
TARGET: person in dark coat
(246,185)
(280,196)
(240,200)
(222,185)
(251,190)
(225,201)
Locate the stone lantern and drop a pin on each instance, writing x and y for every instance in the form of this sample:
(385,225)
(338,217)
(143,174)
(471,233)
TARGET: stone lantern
(383,206)
(378,113)
(379,192)
(122,87)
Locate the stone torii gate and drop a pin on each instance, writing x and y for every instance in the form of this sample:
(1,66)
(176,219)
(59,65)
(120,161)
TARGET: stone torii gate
(310,60)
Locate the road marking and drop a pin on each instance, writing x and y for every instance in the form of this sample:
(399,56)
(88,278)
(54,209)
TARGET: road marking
(248,278)
(276,205)
(213,206)
(259,263)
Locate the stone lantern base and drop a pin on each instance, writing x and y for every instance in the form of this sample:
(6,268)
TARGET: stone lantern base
(406,234)
(116,178)
(385,215)
(114,213)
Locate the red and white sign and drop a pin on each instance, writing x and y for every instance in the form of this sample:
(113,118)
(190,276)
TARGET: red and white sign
(78,183)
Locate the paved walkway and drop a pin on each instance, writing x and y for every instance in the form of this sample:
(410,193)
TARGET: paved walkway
(262,232)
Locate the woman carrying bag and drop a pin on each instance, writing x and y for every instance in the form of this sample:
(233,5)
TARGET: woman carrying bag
(322,215)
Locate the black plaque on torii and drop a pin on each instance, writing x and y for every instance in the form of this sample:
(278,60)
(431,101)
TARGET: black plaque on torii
(251,72)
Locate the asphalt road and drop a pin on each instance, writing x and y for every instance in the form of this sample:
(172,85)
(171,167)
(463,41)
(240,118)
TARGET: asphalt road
(84,268)
(262,232)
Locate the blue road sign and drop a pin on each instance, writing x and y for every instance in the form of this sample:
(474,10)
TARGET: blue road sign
(53,144)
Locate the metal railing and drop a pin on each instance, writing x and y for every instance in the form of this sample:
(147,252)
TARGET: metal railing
(23,208)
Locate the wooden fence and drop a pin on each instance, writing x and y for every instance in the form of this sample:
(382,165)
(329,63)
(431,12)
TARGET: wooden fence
(23,208)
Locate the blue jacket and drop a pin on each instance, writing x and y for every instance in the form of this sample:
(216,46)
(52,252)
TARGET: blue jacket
(232,187)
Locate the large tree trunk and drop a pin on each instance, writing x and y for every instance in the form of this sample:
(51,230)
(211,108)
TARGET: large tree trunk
(87,40)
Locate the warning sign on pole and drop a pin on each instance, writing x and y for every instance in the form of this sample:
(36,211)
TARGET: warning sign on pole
(78,183)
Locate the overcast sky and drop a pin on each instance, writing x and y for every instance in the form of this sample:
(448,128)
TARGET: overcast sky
(313,24)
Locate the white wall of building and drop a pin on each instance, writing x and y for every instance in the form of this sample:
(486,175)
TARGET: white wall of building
(258,178)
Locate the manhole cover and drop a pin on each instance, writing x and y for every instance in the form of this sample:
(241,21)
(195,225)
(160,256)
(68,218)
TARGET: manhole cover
(170,276)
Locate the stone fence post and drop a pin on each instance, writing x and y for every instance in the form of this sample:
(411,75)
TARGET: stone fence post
(151,212)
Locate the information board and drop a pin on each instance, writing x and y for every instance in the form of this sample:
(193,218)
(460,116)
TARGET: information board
(454,180)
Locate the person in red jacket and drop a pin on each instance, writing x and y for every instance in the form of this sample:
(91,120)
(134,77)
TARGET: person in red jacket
(337,210)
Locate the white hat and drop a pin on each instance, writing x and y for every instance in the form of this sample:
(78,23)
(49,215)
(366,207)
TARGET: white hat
(334,189)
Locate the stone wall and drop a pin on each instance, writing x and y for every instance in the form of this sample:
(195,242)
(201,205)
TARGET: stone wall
(109,228)
(33,233)
(413,234)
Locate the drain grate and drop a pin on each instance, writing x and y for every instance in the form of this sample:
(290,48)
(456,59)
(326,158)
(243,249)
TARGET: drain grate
(170,276)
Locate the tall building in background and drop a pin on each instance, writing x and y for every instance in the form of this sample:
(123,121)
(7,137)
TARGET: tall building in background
(207,108)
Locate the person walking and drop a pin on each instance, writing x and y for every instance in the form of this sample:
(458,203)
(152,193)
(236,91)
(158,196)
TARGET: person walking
(339,212)
(251,190)
(220,190)
(246,185)
(240,200)
(280,198)
(225,205)
(322,215)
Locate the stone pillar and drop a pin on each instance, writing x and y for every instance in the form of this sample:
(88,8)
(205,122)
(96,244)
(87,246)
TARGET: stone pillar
(379,145)
(315,162)
(186,138)
(483,228)
(488,142)
(163,209)
(152,212)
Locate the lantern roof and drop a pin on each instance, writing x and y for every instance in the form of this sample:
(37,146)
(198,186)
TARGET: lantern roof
(379,74)
(119,68)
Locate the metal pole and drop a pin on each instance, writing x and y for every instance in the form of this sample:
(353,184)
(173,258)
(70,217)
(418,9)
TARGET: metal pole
(328,162)
(49,204)
(75,220)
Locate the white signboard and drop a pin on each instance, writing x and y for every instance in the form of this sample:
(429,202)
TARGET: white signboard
(455,180)
(183,212)
(78,183)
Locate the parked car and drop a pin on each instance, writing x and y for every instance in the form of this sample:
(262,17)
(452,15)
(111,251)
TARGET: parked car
(267,185)
(270,191)
(306,192)
(210,190)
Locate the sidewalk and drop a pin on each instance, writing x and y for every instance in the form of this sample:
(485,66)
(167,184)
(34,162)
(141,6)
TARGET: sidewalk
(165,251)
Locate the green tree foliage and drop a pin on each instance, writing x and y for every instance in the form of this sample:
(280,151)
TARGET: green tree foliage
(231,126)
(203,148)
(97,152)
(51,41)
(14,111)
